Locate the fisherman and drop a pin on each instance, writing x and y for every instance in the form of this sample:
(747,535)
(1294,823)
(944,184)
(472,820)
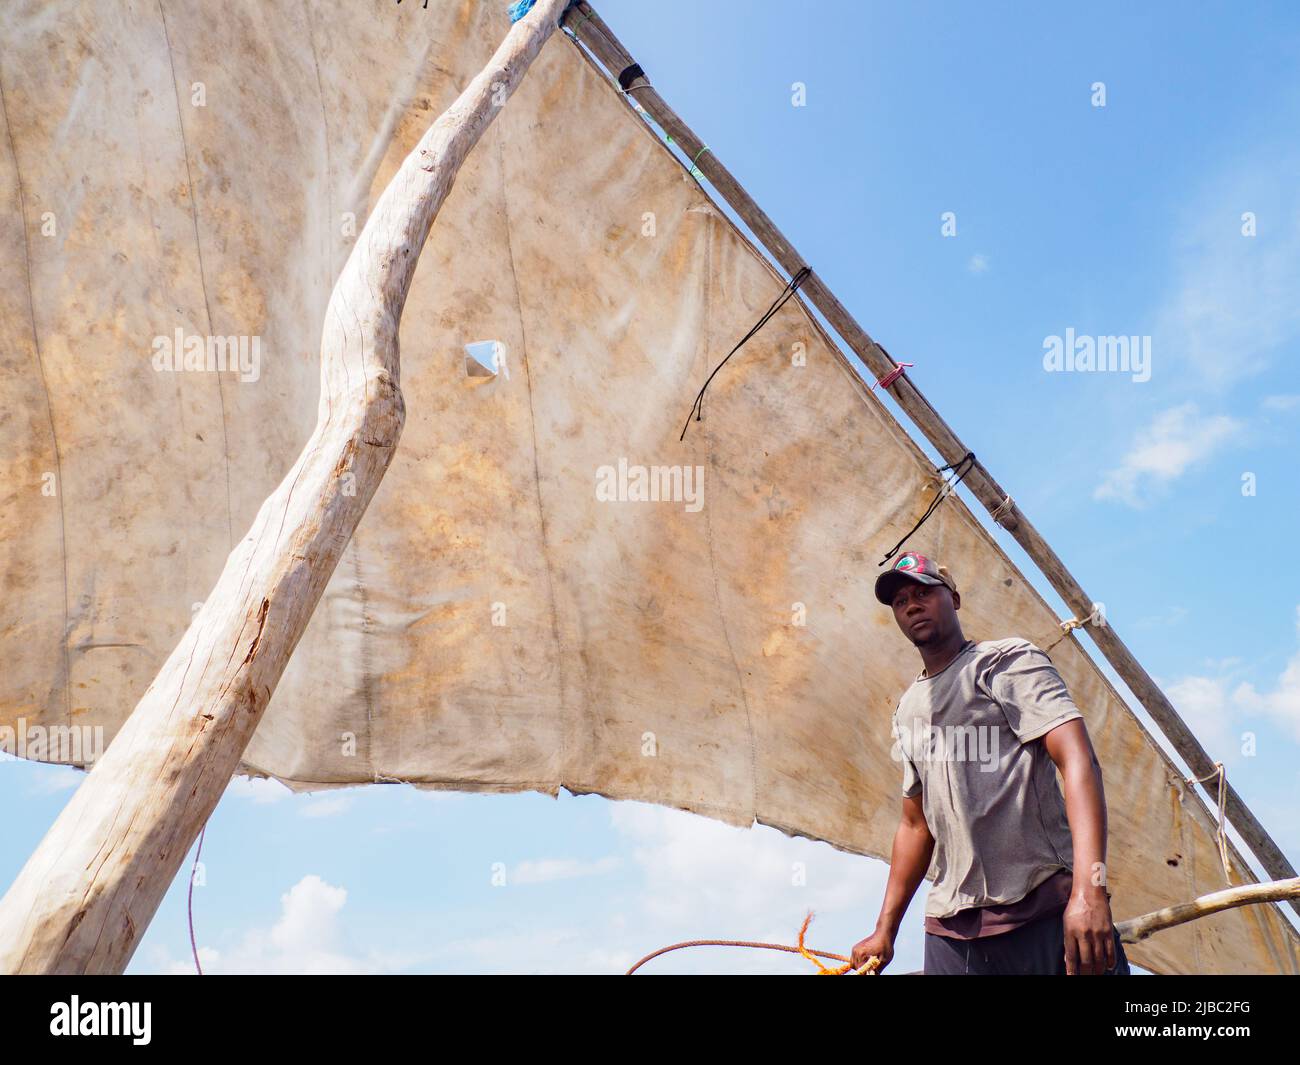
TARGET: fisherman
(1020,884)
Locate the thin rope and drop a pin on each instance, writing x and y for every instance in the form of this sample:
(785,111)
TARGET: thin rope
(1221,834)
(1002,510)
(694,171)
(1068,627)
(945,490)
(190,904)
(867,969)
(697,408)
(586,17)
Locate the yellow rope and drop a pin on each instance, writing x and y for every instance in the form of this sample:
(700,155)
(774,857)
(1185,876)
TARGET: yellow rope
(868,969)
(839,970)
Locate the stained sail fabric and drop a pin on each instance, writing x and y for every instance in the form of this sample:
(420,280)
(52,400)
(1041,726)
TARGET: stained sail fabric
(511,614)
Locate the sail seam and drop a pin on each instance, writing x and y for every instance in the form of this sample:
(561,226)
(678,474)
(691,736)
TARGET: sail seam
(203,278)
(708,526)
(562,768)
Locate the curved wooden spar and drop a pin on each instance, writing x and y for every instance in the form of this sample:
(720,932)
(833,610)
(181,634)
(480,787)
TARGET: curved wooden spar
(1137,929)
(86,895)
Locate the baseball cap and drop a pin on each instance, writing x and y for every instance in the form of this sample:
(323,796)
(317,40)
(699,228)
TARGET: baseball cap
(913,567)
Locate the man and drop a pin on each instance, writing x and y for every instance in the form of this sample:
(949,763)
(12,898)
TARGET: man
(1020,883)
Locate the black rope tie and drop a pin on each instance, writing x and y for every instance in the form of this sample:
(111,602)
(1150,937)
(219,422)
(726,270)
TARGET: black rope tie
(697,408)
(967,460)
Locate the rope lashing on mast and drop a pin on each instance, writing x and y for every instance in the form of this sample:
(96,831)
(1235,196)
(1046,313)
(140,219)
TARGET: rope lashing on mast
(1002,510)
(1220,834)
(697,408)
(573,33)
(945,490)
(1096,617)
(847,969)
(625,78)
(696,173)
(893,374)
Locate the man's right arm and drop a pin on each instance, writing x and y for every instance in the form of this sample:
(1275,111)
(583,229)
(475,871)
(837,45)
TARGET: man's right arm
(908,862)
(910,858)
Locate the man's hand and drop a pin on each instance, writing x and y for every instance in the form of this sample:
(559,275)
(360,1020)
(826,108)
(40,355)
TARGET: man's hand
(1089,934)
(880,943)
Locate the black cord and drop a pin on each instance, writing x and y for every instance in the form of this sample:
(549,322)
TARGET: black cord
(969,461)
(697,408)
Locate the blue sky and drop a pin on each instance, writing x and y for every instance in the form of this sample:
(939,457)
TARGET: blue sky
(1116,220)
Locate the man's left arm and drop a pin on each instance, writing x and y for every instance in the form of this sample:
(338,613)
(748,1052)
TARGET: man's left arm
(1089,935)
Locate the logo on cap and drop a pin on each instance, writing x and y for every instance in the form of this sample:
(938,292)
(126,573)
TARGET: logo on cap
(916,567)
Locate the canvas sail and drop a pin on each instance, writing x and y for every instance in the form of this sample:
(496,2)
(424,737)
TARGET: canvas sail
(498,622)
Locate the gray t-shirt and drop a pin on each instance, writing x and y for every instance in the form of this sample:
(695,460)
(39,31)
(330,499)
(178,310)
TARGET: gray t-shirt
(965,739)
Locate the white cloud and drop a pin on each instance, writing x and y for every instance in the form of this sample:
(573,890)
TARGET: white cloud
(52,779)
(690,877)
(1204,704)
(1282,402)
(1222,665)
(309,917)
(1216,710)
(1233,305)
(1161,452)
(978,264)
(307,939)
(698,879)
(325,805)
(1173,616)
(547,869)
(262,790)
(46,778)
(706,879)
(532,950)
(746,873)
(1282,703)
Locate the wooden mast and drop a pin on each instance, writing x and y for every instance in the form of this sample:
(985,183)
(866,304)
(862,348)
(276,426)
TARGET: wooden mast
(86,895)
(589,29)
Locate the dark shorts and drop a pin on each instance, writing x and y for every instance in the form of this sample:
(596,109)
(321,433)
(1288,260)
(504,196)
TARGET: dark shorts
(1033,949)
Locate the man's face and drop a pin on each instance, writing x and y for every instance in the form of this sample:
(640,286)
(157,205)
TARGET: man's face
(927,613)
